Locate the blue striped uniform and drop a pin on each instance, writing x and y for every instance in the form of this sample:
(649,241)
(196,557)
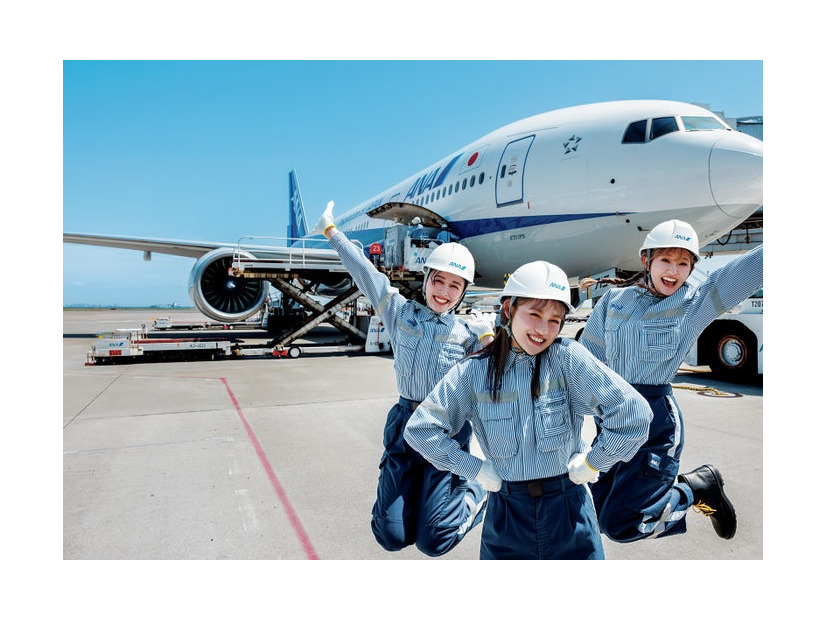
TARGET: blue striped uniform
(527,439)
(415,502)
(425,344)
(645,339)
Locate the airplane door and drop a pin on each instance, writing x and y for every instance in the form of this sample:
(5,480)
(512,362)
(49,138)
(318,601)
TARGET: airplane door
(510,175)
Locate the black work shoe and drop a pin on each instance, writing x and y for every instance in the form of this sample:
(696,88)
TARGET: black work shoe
(707,484)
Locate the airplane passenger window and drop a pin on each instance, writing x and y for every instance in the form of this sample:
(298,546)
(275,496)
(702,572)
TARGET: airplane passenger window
(472,181)
(449,190)
(457,186)
(662,126)
(481,177)
(701,123)
(635,132)
(464,183)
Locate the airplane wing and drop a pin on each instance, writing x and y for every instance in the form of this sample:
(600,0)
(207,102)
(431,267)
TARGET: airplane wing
(191,249)
(195,249)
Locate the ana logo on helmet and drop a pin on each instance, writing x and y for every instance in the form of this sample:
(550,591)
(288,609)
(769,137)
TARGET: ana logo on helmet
(457,265)
(683,237)
(557,286)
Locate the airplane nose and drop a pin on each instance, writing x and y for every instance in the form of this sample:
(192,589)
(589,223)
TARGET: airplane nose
(735,173)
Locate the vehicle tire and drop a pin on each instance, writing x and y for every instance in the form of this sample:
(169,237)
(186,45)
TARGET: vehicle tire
(732,353)
(294,352)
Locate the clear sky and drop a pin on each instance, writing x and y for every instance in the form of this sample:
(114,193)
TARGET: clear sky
(201,150)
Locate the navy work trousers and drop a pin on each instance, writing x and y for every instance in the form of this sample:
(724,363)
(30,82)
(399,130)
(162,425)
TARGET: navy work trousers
(417,503)
(640,499)
(548,519)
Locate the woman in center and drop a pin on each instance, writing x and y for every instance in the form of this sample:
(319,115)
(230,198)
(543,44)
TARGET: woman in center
(527,394)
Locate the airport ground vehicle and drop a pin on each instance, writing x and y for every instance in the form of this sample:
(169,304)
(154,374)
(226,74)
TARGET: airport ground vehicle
(732,346)
(281,316)
(127,346)
(134,345)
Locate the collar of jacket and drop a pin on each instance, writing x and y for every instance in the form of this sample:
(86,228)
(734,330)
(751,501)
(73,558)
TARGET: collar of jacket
(426,314)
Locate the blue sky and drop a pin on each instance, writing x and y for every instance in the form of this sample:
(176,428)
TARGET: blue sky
(201,149)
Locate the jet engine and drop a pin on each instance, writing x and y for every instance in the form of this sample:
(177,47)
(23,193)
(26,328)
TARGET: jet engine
(220,296)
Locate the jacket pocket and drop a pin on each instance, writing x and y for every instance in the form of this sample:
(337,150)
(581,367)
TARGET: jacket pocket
(660,340)
(552,423)
(449,354)
(498,423)
(405,355)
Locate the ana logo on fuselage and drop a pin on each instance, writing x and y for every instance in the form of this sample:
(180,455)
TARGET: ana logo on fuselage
(430,180)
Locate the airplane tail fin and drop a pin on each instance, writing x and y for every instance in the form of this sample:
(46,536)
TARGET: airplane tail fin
(297,226)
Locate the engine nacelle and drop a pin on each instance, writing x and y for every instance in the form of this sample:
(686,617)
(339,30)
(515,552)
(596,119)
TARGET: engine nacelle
(223,297)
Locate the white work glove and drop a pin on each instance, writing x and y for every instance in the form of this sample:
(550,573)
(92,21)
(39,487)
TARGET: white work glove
(482,328)
(488,478)
(579,471)
(326,220)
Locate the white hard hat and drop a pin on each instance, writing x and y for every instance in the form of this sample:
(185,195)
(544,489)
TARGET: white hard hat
(539,280)
(672,234)
(453,258)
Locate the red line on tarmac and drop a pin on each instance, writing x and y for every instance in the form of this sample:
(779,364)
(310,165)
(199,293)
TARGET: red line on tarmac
(279,490)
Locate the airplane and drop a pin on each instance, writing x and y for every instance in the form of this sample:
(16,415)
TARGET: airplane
(579,187)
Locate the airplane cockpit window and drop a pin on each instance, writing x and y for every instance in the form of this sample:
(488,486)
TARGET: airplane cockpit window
(635,132)
(701,123)
(663,125)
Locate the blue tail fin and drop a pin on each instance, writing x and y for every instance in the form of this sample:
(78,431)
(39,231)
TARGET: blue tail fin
(297,226)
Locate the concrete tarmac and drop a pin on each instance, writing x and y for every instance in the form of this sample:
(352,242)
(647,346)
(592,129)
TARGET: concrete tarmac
(258,458)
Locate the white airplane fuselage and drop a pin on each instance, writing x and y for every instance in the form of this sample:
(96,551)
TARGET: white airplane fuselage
(563,187)
(579,187)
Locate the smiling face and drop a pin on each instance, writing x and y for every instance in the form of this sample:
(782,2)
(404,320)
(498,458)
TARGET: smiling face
(534,323)
(443,291)
(669,269)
